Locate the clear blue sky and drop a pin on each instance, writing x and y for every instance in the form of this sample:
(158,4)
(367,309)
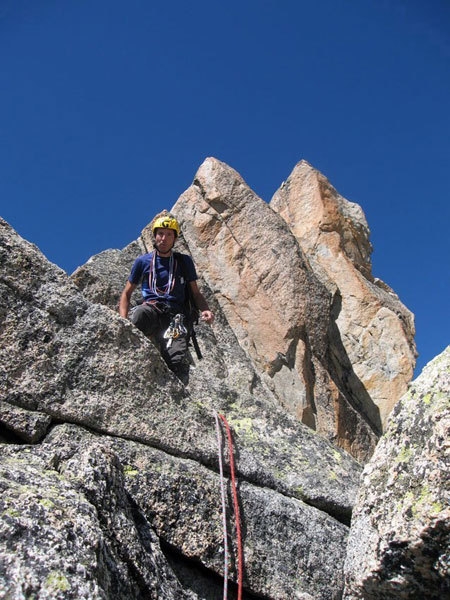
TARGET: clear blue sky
(108,108)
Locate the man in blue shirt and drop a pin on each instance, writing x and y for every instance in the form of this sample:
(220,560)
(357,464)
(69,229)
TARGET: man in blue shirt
(164,276)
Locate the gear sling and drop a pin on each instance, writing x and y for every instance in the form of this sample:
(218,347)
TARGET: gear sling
(190,310)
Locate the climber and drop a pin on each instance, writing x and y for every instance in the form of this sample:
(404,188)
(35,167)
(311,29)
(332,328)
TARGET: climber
(166,278)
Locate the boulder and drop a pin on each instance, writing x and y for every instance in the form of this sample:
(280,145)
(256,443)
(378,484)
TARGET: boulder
(102,277)
(399,544)
(78,534)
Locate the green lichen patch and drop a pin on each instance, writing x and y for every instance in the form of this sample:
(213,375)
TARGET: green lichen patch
(47,503)
(426,399)
(11,512)
(337,456)
(243,427)
(130,471)
(420,501)
(57,581)
(404,455)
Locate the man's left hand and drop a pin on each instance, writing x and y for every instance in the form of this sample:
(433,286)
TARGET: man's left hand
(207,316)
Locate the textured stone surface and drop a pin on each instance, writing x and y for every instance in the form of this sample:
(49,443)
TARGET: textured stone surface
(399,545)
(376,329)
(76,534)
(67,360)
(334,345)
(29,426)
(126,456)
(285,540)
(279,309)
(102,277)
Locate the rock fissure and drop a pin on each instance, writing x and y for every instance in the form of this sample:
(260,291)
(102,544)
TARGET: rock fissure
(321,503)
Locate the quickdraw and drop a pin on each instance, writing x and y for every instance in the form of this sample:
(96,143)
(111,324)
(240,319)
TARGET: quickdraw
(175,330)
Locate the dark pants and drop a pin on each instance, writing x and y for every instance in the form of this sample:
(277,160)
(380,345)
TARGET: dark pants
(154,323)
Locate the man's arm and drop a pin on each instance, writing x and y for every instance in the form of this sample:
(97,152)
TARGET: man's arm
(125,298)
(200,302)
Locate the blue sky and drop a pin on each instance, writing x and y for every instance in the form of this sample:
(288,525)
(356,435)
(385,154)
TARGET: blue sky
(108,108)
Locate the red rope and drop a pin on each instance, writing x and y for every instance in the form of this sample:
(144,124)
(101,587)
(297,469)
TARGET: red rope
(236,508)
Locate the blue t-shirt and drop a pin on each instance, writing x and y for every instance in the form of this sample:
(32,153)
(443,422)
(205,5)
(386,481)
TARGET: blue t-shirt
(183,272)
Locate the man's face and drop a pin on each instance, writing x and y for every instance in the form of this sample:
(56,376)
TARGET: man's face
(164,240)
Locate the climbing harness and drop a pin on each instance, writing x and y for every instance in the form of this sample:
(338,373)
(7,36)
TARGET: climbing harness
(237,518)
(175,330)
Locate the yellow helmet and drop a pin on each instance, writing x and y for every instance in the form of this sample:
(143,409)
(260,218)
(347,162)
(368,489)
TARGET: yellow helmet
(166,222)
